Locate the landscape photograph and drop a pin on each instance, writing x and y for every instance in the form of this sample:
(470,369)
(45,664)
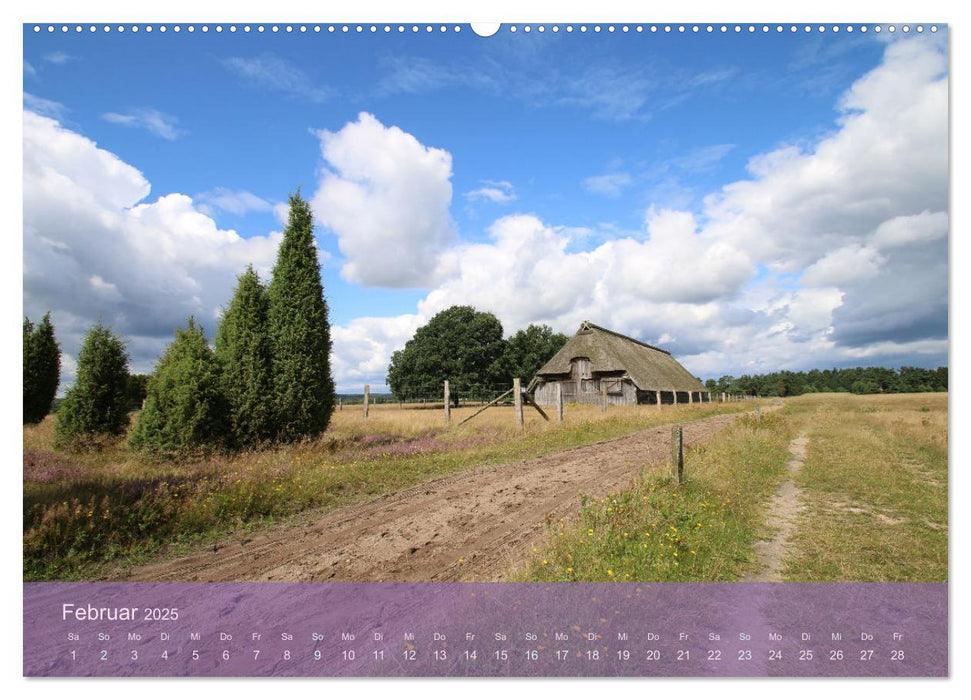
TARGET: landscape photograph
(315,303)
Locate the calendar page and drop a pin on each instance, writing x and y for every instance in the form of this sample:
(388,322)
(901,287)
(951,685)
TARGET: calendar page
(539,349)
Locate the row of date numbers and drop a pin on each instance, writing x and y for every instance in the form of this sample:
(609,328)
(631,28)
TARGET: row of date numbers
(713,655)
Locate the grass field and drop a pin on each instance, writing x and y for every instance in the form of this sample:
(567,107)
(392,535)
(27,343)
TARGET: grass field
(702,530)
(82,511)
(874,487)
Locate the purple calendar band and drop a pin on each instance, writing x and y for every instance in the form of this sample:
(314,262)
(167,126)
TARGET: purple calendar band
(478,629)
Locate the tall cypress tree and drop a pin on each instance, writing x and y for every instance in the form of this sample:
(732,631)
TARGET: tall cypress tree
(47,352)
(42,369)
(243,353)
(299,332)
(30,374)
(185,408)
(96,404)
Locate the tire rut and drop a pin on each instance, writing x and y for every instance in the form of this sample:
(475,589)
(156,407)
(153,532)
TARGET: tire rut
(488,517)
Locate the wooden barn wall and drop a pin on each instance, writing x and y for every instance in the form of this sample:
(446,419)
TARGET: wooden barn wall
(620,392)
(580,368)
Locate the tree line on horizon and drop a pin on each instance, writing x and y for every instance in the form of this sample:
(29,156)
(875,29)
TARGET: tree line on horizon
(267,380)
(855,380)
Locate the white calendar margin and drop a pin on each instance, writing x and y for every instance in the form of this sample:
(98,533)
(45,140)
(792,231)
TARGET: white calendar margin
(546,11)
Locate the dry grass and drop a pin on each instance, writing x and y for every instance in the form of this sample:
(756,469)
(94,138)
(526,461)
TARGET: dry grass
(702,530)
(83,510)
(414,419)
(875,483)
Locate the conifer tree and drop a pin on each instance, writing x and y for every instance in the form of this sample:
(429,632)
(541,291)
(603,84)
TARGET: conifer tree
(48,353)
(299,332)
(243,353)
(42,369)
(30,374)
(185,409)
(96,404)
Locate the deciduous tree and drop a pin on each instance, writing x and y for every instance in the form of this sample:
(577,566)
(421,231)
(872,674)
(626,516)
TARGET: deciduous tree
(460,344)
(528,350)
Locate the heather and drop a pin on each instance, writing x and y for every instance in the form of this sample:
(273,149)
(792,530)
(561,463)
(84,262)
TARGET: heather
(88,511)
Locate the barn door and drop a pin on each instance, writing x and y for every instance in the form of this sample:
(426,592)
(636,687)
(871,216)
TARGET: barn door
(580,368)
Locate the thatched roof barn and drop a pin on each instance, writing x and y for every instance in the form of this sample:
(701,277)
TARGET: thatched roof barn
(597,361)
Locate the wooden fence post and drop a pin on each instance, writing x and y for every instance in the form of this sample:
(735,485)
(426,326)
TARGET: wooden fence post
(340,404)
(758,413)
(367,398)
(603,396)
(517,398)
(677,454)
(448,403)
(559,402)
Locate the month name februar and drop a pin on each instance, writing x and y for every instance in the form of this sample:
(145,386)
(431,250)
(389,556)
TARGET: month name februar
(90,612)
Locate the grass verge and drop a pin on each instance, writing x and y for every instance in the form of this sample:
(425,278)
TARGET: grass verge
(82,511)
(702,530)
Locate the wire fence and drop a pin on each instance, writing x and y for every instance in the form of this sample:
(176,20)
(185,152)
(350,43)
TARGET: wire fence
(447,396)
(432,395)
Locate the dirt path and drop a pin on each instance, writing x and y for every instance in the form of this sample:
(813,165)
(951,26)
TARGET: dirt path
(488,518)
(784,509)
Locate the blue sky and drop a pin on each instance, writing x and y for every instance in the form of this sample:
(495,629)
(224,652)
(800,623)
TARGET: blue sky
(751,202)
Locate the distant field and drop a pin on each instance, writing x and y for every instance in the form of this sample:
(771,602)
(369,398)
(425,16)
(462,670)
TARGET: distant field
(873,491)
(875,486)
(83,511)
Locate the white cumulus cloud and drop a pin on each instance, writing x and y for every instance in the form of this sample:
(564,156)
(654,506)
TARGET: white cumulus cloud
(363,347)
(828,253)
(386,197)
(94,246)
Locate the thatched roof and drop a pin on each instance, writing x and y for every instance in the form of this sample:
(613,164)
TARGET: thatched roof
(650,368)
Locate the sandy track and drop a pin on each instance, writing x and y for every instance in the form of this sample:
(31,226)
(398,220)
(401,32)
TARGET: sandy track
(488,517)
(783,511)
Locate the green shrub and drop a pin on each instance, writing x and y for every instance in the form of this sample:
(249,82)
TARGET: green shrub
(243,353)
(95,406)
(42,369)
(185,408)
